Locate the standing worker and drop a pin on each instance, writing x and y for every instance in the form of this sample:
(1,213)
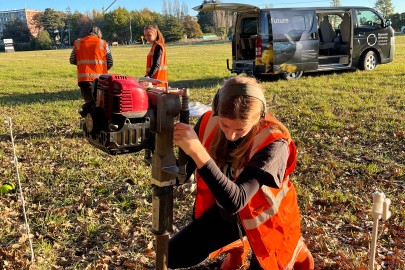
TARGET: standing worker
(93,57)
(243,158)
(156,65)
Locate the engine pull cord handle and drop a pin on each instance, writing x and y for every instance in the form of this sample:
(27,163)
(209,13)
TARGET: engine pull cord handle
(381,206)
(184,118)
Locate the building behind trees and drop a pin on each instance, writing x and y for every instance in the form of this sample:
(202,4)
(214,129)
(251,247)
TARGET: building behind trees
(25,15)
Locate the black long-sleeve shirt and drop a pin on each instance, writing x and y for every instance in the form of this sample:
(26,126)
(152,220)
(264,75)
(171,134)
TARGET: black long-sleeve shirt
(157,55)
(266,167)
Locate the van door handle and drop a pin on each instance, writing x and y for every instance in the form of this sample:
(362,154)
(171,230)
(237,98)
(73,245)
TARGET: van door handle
(313,35)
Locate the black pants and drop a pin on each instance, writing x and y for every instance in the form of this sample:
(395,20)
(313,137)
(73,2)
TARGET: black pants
(197,240)
(86,89)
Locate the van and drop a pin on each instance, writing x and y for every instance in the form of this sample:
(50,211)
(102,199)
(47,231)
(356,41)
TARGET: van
(290,41)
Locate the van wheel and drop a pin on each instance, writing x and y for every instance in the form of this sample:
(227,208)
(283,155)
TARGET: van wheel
(369,61)
(292,75)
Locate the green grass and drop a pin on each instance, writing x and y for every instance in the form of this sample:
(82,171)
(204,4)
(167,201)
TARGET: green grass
(87,208)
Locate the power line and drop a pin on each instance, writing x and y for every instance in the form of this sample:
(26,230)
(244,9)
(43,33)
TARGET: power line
(109,6)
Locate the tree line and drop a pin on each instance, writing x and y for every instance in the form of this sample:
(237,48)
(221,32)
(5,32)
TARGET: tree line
(120,25)
(58,28)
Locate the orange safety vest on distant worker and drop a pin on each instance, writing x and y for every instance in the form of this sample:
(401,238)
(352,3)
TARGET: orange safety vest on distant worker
(271,219)
(161,73)
(91,56)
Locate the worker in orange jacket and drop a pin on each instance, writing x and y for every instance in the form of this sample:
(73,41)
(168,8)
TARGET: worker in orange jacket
(244,158)
(93,57)
(156,63)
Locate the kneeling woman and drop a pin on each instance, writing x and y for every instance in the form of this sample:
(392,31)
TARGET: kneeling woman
(243,159)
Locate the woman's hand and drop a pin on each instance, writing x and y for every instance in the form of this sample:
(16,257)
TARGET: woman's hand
(185,137)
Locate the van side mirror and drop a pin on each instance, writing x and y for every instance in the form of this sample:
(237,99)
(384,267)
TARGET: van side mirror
(387,23)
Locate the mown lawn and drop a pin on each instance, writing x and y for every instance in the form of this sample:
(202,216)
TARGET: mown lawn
(87,209)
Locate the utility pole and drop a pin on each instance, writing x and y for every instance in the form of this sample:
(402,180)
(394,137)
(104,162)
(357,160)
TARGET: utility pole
(130,30)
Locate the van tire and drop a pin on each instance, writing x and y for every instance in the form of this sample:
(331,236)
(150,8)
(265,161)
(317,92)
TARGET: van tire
(369,61)
(291,75)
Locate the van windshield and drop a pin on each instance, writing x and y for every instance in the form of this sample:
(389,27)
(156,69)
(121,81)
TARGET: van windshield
(368,20)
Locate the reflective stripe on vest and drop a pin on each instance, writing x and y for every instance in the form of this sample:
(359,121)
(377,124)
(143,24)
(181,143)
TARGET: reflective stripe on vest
(88,62)
(204,196)
(88,75)
(274,201)
(297,251)
(91,58)
(160,68)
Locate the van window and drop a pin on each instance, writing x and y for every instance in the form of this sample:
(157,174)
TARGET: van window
(289,26)
(249,26)
(334,19)
(368,20)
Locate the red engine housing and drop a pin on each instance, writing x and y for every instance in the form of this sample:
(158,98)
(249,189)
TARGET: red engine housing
(122,95)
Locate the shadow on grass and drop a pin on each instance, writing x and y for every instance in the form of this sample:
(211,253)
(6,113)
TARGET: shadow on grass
(214,82)
(30,98)
(274,78)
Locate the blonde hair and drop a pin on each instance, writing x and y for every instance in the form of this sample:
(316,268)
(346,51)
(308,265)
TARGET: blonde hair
(159,35)
(247,109)
(95,31)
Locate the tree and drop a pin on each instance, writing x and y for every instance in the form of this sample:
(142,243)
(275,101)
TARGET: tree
(116,25)
(172,29)
(210,21)
(164,9)
(398,20)
(335,3)
(37,21)
(17,30)
(184,9)
(76,26)
(53,22)
(206,21)
(192,28)
(176,9)
(42,41)
(385,7)
(143,18)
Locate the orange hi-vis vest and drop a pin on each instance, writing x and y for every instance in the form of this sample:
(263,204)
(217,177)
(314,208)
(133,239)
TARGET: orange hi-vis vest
(271,219)
(91,58)
(161,73)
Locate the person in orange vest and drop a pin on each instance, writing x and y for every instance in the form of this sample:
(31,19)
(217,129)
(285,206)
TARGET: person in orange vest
(92,56)
(243,158)
(156,64)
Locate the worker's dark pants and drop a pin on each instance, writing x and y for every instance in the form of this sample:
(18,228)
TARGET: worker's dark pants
(192,244)
(86,89)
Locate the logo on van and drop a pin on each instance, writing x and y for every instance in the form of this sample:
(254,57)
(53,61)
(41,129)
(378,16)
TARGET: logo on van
(273,20)
(371,40)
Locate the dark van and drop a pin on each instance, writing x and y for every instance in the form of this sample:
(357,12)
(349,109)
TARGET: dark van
(291,41)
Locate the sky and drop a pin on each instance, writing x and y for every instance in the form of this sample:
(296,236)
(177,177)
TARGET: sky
(157,5)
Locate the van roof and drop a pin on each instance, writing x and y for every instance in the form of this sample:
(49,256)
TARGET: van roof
(236,7)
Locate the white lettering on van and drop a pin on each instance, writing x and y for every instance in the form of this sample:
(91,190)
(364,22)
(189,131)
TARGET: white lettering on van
(276,20)
(382,39)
